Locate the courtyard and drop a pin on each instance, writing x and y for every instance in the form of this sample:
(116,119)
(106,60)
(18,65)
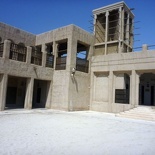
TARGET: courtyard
(52,132)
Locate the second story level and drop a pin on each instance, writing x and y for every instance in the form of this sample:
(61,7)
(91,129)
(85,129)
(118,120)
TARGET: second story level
(61,49)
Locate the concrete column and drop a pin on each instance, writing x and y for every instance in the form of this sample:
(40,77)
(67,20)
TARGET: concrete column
(92,84)
(114,87)
(122,24)
(6,49)
(106,32)
(144,48)
(55,52)
(28,56)
(137,89)
(49,95)
(94,23)
(111,87)
(71,53)
(127,32)
(44,54)
(29,93)
(132,88)
(122,39)
(3,89)
(120,30)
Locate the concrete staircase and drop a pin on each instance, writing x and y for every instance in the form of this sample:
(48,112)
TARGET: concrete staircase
(141,112)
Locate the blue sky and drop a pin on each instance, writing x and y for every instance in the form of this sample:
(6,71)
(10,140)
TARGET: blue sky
(38,16)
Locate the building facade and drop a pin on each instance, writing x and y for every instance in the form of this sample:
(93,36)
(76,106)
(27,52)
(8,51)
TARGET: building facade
(71,69)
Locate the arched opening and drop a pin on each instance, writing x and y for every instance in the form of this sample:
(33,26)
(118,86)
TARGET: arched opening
(147,89)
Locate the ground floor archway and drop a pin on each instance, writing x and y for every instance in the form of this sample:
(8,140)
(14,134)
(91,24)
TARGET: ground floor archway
(147,89)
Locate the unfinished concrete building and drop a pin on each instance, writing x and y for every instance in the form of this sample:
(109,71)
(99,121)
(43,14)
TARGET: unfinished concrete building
(71,69)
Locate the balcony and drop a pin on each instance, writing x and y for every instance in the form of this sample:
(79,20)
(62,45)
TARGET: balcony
(36,57)
(18,52)
(82,65)
(49,60)
(61,63)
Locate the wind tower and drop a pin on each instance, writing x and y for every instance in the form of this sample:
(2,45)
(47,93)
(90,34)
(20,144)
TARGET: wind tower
(113,29)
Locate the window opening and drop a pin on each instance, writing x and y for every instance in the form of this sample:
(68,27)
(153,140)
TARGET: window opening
(61,56)
(50,56)
(82,63)
(36,57)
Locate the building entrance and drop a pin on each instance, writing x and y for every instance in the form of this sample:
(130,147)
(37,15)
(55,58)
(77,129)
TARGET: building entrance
(40,92)
(16,89)
(147,89)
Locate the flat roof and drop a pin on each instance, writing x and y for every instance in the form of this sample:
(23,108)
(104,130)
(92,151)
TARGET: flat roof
(112,7)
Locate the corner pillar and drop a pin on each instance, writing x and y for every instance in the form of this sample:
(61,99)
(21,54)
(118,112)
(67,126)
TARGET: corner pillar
(49,95)
(132,88)
(111,88)
(6,49)
(106,34)
(29,93)
(120,30)
(3,90)
(137,80)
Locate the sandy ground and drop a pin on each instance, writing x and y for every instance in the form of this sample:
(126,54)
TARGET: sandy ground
(49,132)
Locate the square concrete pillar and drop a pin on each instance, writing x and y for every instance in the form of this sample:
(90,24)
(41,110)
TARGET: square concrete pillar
(44,55)
(49,95)
(111,88)
(71,53)
(106,34)
(3,90)
(29,93)
(55,52)
(137,77)
(28,56)
(6,49)
(132,88)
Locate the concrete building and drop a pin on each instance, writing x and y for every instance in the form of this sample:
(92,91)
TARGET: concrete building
(71,69)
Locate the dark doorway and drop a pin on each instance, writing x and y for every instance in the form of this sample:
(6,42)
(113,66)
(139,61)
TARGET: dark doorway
(142,94)
(39,94)
(11,95)
(147,89)
(15,96)
(152,95)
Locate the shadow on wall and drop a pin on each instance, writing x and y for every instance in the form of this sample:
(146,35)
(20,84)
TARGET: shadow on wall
(75,82)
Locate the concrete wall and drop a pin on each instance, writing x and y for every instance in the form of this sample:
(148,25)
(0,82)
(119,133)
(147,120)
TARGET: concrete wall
(16,35)
(22,69)
(63,84)
(60,90)
(124,61)
(79,92)
(115,65)
(54,35)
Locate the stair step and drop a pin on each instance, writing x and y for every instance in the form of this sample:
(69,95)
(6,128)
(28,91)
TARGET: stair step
(138,115)
(143,113)
(148,119)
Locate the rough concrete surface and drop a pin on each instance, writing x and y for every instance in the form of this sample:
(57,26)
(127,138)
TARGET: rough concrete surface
(49,132)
